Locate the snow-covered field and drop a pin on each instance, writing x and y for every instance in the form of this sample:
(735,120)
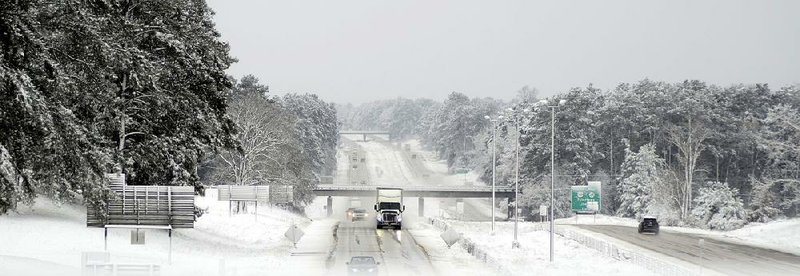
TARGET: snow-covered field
(51,235)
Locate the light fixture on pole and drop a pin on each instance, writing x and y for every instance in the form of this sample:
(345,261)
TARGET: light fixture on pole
(552,171)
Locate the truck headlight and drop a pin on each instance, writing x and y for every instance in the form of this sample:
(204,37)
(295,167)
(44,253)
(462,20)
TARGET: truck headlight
(399,219)
(379,218)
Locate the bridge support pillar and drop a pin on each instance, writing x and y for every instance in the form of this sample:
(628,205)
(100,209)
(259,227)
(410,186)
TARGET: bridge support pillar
(421,207)
(365,137)
(329,206)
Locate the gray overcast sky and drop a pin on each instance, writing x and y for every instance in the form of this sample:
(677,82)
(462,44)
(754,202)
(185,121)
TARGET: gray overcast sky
(357,51)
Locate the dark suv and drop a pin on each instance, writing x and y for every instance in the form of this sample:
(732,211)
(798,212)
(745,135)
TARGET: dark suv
(648,225)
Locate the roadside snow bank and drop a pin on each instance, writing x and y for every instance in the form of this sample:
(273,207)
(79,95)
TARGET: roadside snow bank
(782,235)
(57,234)
(532,258)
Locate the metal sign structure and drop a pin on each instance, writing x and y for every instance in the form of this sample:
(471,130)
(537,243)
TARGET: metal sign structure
(281,193)
(586,198)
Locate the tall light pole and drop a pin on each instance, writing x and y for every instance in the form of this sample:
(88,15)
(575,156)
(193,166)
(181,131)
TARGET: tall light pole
(515,243)
(552,172)
(494,162)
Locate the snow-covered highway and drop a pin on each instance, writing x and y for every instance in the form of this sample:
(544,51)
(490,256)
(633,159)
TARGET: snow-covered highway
(721,256)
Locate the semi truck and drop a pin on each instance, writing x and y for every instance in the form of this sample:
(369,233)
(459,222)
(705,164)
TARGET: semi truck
(389,207)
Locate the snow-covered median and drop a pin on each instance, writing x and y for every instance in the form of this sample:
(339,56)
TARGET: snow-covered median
(532,258)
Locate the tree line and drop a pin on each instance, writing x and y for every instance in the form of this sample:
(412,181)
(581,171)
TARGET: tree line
(285,140)
(139,87)
(689,152)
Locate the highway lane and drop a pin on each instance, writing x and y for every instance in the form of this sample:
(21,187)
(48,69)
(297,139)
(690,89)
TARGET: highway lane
(721,256)
(417,173)
(396,250)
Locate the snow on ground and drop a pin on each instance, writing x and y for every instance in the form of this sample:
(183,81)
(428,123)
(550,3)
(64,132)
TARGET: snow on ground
(782,235)
(532,258)
(56,235)
(446,261)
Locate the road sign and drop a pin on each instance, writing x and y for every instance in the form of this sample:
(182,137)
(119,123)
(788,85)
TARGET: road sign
(543,210)
(586,198)
(450,237)
(294,234)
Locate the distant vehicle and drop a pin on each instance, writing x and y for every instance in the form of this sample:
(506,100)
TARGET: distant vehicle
(648,225)
(350,212)
(362,265)
(359,214)
(389,208)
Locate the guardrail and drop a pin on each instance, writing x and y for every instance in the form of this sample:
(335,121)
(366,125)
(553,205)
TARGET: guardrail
(415,188)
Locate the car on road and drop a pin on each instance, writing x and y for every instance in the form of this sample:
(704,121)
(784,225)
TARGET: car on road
(350,212)
(648,225)
(358,214)
(362,265)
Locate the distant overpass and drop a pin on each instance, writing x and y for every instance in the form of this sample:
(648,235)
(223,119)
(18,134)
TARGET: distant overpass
(364,132)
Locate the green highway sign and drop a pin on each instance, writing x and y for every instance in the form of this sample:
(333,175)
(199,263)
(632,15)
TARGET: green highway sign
(586,198)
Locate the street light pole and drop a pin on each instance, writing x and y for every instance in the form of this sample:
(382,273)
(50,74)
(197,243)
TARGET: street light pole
(515,244)
(552,171)
(494,163)
(552,178)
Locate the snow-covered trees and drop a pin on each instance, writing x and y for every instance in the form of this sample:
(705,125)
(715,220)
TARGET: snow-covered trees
(648,187)
(90,88)
(640,172)
(764,201)
(403,118)
(779,136)
(264,135)
(717,207)
(743,135)
(289,140)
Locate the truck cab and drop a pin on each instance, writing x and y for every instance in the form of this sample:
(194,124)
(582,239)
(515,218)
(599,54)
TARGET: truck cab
(389,208)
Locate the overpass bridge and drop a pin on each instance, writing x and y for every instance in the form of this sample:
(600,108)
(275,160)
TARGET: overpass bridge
(365,132)
(420,192)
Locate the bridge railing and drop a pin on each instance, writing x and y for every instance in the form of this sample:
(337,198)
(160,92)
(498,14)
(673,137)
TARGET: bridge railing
(415,188)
